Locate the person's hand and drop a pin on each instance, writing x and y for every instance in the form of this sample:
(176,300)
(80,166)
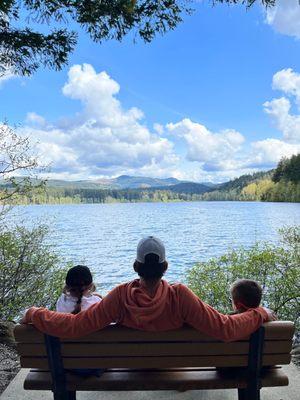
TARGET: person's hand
(271,314)
(24,319)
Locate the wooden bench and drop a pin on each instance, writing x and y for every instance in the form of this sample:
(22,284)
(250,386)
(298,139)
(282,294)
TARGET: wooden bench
(181,360)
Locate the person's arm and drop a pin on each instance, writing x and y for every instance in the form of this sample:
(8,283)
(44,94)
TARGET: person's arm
(70,326)
(207,320)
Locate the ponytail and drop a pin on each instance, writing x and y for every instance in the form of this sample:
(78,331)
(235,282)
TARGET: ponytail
(77,308)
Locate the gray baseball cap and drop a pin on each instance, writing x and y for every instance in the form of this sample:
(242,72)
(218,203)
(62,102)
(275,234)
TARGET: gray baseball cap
(149,245)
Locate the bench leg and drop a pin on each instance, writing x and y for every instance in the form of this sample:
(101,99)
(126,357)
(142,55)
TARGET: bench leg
(64,395)
(242,394)
(249,394)
(60,395)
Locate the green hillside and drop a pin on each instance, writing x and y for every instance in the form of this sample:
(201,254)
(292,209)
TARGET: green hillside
(280,184)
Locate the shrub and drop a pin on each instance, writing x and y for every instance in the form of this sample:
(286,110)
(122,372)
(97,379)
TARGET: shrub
(30,271)
(276,267)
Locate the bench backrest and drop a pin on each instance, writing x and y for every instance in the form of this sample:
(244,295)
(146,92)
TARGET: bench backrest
(120,347)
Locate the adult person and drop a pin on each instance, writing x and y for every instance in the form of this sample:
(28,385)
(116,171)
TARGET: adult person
(149,303)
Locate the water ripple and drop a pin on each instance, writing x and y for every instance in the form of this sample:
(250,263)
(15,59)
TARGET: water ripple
(104,236)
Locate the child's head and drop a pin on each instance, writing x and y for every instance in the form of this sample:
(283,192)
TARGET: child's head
(245,293)
(150,261)
(79,281)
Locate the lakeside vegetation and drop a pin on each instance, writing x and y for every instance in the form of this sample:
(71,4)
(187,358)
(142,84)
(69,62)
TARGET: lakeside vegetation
(279,185)
(274,266)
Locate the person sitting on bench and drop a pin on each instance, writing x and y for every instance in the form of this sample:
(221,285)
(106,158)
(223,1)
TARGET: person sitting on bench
(149,303)
(245,294)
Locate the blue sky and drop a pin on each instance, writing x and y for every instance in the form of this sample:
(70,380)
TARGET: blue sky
(215,98)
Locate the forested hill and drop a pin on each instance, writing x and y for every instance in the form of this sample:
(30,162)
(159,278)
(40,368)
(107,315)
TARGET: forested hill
(280,184)
(244,180)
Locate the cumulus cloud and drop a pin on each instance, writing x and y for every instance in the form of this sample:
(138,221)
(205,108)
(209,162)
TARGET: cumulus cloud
(284,17)
(215,151)
(288,81)
(287,123)
(279,109)
(35,119)
(266,153)
(104,139)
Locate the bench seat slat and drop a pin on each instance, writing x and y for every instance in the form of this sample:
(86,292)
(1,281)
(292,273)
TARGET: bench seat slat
(155,362)
(155,380)
(156,349)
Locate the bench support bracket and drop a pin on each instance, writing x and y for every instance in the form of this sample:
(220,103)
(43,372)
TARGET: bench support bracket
(256,347)
(59,387)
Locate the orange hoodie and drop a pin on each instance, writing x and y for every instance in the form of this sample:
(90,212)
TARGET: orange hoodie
(131,305)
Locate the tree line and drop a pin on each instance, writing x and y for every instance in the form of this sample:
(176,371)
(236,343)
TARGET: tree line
(76,196)
(280,185)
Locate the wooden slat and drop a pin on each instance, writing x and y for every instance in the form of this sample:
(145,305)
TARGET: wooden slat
(155,362)
(138,349)
(155,380)
(27,334)
(279,330)
(276,330)
(116,333)
(155,349)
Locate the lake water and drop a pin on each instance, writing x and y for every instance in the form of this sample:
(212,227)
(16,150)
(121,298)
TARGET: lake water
(104,236)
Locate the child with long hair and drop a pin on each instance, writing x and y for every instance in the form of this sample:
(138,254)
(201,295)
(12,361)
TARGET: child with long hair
(79,291)
(78,295)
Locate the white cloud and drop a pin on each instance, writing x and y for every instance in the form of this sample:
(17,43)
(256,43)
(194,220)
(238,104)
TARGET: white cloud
(266,153)
(158,128)
(284,17)
(35,119)
(215,151)
(288,82)
(104,139)
(279,109)
(287,123)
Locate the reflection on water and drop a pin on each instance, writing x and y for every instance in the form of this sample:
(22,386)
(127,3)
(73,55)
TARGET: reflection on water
(104,236)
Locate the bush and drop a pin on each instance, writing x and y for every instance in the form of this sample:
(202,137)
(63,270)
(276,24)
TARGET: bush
(30,271)
(276,267)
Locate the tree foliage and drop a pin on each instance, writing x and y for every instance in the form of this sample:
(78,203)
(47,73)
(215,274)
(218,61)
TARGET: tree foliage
(23,50)
(61,195)
(280,184)
(276,267)
(30,272)
(288,169)
(16,158)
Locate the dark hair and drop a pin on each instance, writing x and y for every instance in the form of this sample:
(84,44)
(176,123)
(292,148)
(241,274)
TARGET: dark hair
(78,279)
(247,292)
(151,269)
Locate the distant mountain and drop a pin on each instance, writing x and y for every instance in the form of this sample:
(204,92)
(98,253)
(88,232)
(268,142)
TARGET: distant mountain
(188,187)
(136,182)
(129,182)
(84,184)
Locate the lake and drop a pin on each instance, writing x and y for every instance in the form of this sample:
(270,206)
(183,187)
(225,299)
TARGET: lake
(104,236)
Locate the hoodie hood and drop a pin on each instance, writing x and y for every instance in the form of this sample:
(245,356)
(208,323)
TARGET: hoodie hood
(141,305)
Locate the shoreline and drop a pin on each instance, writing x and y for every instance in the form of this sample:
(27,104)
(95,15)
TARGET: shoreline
(149,202)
